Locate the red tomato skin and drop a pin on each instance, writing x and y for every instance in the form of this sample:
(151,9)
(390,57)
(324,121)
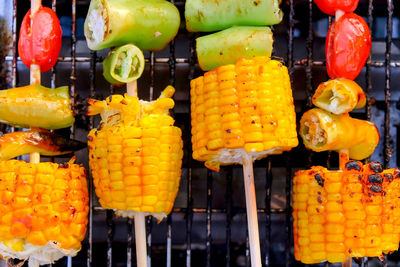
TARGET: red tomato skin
(40,43)
(330,7)
(347,47)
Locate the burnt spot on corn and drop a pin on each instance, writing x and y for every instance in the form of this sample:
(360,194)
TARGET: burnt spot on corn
(375,178)
(123,102)
(388,177)
(63,165)
(90,138)
(319,179)
(353,165)
(376,188)
(376,167)
(319,199)
(228,130)
(396,173)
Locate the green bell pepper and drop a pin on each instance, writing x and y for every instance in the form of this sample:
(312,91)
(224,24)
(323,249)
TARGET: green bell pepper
(149,24)
(227,46)
(208,16)
(36,106)
(124,64)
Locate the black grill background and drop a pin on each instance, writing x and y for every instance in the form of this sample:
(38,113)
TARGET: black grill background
(208,225)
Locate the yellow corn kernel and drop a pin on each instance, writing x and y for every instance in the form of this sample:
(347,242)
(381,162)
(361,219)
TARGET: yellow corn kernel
(244,106)
(46,196)
(337,215)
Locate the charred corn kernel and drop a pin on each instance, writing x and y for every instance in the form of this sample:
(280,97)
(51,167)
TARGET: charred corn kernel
(242,108)
(348,213)
(44,212)
(136,154)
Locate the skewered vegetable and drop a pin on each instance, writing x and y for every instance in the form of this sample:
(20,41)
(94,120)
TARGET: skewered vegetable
(40,39)
(242,108)
(208,16)
(46,143)
(44,210)
(36,106)
(354,213)
(136,154)
(149,24)
(322,131)
(124,64)
(347,48)
(330,7)
(339,96)
(227,46)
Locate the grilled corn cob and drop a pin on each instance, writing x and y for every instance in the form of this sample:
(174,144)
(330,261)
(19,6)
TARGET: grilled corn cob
(242,108)
(44,210)
(136,154)
(350,213)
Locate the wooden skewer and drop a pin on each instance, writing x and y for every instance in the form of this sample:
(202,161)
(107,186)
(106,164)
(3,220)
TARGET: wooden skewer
(140,222)
(35,76)
(343,159)
(251,207)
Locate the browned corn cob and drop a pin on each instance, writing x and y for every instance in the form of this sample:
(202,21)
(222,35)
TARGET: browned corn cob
(247,107)
(136,155)
(351,213)
(44,209)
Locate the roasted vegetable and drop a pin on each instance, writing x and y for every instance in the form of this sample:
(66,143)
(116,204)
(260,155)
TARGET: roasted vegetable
(347,48)
(136,155)
(37,140)
(242,108)
(149,24)
(36,106)
(123,65)
(227,46)
(330,7)
(44,210)
(339,96)
(40,38)
(208,16)
(322,131)
(350,213)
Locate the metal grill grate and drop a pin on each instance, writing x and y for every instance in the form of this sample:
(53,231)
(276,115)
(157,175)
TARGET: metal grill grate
(212,232)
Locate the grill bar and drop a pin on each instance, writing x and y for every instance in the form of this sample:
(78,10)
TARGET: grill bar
(386,139)
(209,203)
(228,196)
(110,236)
(368,66)
(268,185)
(129,225)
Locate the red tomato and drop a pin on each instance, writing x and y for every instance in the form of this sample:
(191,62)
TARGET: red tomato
(347,47)
(40,43)
(331,6)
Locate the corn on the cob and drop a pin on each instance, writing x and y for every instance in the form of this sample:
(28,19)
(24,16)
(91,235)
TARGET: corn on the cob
(242,108)
(44,210)
(322,131)
(136,155)
(350,213)
(339,96)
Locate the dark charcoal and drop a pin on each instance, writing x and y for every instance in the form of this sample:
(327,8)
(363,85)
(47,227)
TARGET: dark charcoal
(319,179)
(353,165)
(388,177)
(376,167)
(375,178)
(376,188)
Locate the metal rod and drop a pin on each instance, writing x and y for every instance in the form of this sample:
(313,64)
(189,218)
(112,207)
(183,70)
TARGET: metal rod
(309,44)
(14,47)
(72,89)
(169,240)
(368,66)
(151,87)
(208,231)
(92,79)
(386,139)
(268,186)
(149,227)
(228,197)
(129,224)
(288,223)
(110,236)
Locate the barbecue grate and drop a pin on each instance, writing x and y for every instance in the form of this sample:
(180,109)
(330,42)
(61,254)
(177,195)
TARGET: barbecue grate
(208,224)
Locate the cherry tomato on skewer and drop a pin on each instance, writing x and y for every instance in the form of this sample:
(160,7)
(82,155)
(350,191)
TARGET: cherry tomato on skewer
(331,6)
(40,43)
(347,48)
